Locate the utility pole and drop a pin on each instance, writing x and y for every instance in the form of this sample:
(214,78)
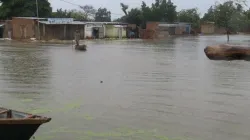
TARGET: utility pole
(38,20)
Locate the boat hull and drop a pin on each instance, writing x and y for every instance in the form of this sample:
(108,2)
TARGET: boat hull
(17,131)
(81,47)
(227,52)
(16,125)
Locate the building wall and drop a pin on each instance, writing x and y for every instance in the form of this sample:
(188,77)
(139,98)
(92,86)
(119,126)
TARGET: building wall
(88,32)
(89,29)
(23,28)
(207,28)
(113,32)
(180,30)
(60,31)
(152,25)
(7,27)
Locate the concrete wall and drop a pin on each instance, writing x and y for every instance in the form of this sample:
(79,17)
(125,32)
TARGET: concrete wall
(152,25)
(7,27)
(23,28)
(113,32)
(207,28)
(88,32)
(89,29)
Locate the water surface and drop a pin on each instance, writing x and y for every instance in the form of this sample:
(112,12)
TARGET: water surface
(151,90)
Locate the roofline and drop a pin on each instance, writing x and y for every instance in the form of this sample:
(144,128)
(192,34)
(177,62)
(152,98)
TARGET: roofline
(29,18)
(72,23)
(108,23)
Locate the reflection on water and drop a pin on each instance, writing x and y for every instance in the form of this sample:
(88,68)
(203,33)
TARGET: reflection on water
(151,90)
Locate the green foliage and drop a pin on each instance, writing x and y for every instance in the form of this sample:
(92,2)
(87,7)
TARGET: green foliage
(103,15)
(89,11)
(76,14)
(229,15)
(124,8)
(191,16)
(161,10)
(24,8)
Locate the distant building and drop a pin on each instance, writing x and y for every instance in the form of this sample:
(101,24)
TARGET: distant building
(163,30)
(61,29)
(116,30)
(207,28)
(24,27)
(105,30)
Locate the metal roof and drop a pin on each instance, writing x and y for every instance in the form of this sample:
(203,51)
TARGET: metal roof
(29,17)
(107,23)
(168,25)
(69,23)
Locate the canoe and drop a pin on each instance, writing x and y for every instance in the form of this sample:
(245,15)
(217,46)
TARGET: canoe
(15,125)
(81,47)
(227,52)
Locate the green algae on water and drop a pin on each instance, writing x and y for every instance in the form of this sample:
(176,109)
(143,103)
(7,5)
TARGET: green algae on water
(27,100)
(40,111)
(88,117)
(69,107)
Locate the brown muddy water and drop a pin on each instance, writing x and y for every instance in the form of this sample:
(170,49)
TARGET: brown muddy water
(151,90)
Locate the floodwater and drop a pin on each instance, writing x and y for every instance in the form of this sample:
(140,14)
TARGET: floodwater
(151,90)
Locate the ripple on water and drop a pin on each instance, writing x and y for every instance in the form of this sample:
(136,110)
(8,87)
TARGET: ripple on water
(155,89)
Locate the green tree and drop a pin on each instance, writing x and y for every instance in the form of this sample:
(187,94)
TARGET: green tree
(103,15)
(134,16)
(191,16)
(24,8)
(170,12)
(229,15)
(76,14)
(60,13)
(88,11)
(210,15)
(124,8)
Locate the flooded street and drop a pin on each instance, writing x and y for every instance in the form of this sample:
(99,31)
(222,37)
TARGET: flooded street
(151,90)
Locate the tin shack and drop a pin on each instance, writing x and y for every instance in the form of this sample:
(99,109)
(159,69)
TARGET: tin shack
(61,29)
(116,30)
(25,27)
(94,30)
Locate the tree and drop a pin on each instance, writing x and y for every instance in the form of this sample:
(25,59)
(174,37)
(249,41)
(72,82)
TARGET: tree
(24,8)
(170,12)
(210,15)
(134,16)
(161,10)
(103,15)
(76,14)
(124,8)
(229,15)
(88,11)
(60,13)
(190,15)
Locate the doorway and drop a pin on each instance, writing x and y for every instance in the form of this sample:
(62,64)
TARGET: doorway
(95,32)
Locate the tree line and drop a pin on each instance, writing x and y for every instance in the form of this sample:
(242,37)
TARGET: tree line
(27,8)
(229,14)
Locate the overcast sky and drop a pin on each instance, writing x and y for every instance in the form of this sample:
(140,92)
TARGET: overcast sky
(114,5)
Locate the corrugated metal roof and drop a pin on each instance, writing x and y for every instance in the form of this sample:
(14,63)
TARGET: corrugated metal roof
(168,25)
(71,23)
(107,23)
(29,17)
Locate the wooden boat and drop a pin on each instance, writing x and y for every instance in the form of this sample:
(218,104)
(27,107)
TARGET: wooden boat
(227,52)
(15,125)
(81,47)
